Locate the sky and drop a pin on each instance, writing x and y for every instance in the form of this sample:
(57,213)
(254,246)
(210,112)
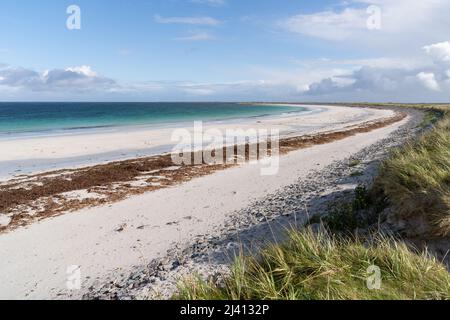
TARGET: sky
(225,50)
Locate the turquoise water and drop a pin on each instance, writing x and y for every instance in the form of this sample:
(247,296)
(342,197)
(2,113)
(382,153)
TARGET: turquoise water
(16,118)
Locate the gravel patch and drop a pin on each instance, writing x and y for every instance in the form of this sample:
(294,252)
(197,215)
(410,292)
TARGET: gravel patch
(209,256)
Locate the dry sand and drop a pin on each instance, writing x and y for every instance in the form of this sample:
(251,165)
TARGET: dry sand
(31,155)
(121,235)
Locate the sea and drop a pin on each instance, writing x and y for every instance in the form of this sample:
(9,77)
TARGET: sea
(18,119)
(30,120)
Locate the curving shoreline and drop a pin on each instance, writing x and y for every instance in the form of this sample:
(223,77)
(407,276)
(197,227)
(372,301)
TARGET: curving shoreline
(249,229)
(33,198)
(27,156)
(122,235)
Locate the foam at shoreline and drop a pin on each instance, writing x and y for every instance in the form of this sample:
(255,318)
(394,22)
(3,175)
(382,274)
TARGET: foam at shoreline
(22,120)
(37,154)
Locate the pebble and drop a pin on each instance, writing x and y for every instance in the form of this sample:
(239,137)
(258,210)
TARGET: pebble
(208,255)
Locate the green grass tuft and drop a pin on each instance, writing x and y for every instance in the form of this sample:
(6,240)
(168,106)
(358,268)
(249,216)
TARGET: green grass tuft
(430,118)
(343,217)
(311,266)
(416,180)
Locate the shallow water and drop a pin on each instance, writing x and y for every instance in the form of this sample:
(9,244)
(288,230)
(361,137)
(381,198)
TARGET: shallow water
(42,118)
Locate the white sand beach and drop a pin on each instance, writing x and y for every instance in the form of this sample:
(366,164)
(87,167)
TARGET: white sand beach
(42,153)
(131,232)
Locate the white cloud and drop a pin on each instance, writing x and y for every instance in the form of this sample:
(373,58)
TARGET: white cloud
(372,79)
(428,79)
(71,79)
(381,62)
(83,70)
(387,79)
(328,24)
(362,79)
(403,25)
(17,77)
(214,3)
(197,36)
(198,90)
(439,52)
(204,21)
(295,78)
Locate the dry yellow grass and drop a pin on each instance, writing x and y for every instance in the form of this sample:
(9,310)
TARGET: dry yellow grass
(416,180)
(312,266)
(320,266)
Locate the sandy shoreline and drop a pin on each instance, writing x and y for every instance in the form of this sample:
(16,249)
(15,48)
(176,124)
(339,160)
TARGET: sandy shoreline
(28,199)
(30,155)
(117,237)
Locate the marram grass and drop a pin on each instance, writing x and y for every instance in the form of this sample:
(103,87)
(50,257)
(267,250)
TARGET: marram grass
(318,266)
(416,180)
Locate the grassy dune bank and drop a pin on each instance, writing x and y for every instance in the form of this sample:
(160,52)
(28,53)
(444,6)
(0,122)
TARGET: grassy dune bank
(414,183)
(321,266)
(416,180)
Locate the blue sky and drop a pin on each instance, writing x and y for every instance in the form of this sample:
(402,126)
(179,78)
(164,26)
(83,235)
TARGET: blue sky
(225,50)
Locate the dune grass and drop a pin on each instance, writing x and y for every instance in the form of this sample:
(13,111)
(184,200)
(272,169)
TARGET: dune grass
(319,266)
(416,181)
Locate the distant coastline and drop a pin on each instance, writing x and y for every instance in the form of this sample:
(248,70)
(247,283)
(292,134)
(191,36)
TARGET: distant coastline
(117,212)
(19,119)
(37,151)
